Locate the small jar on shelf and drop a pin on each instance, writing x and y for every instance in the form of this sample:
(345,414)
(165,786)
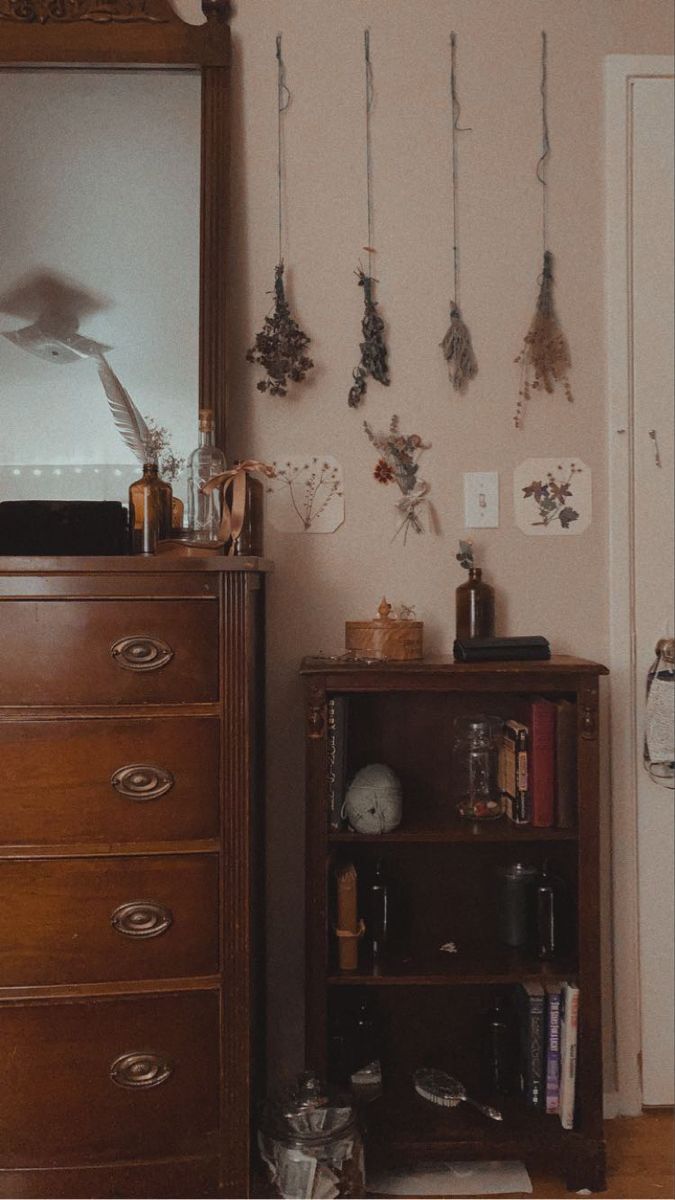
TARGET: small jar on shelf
(474,767)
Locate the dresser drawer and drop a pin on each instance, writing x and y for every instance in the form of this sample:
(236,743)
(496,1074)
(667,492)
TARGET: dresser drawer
(100,1080)
(142,779)
(91,920)
(77,652)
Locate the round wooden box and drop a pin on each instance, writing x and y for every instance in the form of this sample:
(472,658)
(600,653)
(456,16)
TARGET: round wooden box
(386,637)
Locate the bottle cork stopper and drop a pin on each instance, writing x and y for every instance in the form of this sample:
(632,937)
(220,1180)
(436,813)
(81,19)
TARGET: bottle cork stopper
(206,421)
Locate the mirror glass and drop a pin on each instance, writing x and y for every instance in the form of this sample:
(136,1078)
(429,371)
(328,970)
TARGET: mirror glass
(99,254)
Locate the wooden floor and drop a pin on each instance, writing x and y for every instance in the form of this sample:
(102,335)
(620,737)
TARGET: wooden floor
(639,1161)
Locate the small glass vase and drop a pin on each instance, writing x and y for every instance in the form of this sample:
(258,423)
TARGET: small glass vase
(475,607)
(150,510)
(474,768)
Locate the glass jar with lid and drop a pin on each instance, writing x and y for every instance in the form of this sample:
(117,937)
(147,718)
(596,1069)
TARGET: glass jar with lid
(475,760)
(310,1142)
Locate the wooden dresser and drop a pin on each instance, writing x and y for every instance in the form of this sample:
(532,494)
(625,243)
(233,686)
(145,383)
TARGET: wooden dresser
(131,879)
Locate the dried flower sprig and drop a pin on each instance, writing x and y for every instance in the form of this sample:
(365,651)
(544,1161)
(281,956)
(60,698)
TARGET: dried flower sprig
(158,447)
(311,487)
(465,556)
(281,344)
(399,464)
(545,357)
(373,348)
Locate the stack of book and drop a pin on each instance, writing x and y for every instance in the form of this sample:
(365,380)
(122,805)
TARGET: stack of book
(538,764)
(549,1017)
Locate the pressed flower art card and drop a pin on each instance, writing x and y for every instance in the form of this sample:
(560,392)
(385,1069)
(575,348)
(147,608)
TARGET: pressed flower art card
(552,496)
(307,494)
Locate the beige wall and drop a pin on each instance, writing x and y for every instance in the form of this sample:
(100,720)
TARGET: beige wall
(552,586)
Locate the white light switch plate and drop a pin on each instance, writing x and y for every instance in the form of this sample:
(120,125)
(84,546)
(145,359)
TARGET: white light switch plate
(481,500)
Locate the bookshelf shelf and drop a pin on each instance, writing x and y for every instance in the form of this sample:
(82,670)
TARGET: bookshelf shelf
(444,882)
(498,967)
(425,1131)
(495,831)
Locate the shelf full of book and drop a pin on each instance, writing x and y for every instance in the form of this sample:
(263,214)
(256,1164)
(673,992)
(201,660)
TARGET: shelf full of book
(439,947)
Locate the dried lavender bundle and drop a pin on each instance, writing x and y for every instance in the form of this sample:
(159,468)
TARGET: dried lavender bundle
(545,357)
(458,351)
(373,349)
(281,344)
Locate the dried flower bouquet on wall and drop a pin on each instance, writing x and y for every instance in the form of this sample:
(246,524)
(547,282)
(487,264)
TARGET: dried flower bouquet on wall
(398,463)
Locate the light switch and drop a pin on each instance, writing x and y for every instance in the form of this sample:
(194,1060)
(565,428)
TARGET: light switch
(481,500)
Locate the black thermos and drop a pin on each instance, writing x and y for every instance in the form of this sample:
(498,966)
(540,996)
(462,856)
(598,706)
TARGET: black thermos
(515,904)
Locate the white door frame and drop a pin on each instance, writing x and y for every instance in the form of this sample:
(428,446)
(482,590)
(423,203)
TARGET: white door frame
(621,71)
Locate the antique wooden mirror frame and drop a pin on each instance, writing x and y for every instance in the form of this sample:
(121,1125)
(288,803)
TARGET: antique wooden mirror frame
(149,33)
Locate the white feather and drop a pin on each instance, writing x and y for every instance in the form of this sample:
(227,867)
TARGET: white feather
(126,416)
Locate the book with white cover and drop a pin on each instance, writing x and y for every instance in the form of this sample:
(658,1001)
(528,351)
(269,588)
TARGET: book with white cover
(568,1053)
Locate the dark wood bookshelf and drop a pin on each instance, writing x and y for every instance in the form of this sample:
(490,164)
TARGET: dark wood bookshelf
(430,1003)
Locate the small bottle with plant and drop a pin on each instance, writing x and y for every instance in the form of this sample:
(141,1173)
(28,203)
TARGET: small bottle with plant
(474,599)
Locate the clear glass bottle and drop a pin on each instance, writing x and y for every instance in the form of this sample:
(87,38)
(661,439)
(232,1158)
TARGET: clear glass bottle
(475,607)
(204,462)
(150,504)
(474,767)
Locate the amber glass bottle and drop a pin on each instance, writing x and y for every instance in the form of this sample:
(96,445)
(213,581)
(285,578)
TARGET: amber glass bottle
(250,540)
(150,501)
(475,607)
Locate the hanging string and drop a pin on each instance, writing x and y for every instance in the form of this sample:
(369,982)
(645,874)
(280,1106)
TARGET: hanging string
(455,129)
(283,101)
(542,164)
(369,152)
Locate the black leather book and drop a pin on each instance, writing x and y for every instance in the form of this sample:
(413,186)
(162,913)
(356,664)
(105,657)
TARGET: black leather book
(503,649)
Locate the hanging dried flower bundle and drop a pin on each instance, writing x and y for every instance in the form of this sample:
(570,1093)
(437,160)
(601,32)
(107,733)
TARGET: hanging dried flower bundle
(456,345)
(399,464)
(458,351)
(281,344)
(545,357)
(373,349)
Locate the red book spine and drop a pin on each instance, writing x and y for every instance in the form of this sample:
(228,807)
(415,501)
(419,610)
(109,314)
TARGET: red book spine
(542,762)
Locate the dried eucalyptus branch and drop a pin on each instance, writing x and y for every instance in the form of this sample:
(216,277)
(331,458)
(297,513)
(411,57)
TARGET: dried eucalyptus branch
(459,352)
(545,358)
(373,349)
(281,344)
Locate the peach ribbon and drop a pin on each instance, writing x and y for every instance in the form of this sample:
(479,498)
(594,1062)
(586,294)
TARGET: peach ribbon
(234,482)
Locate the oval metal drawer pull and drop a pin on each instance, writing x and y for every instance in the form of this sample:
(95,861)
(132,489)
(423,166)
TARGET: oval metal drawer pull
(141,653)
(141,919)
(141,1070)
(142,781)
